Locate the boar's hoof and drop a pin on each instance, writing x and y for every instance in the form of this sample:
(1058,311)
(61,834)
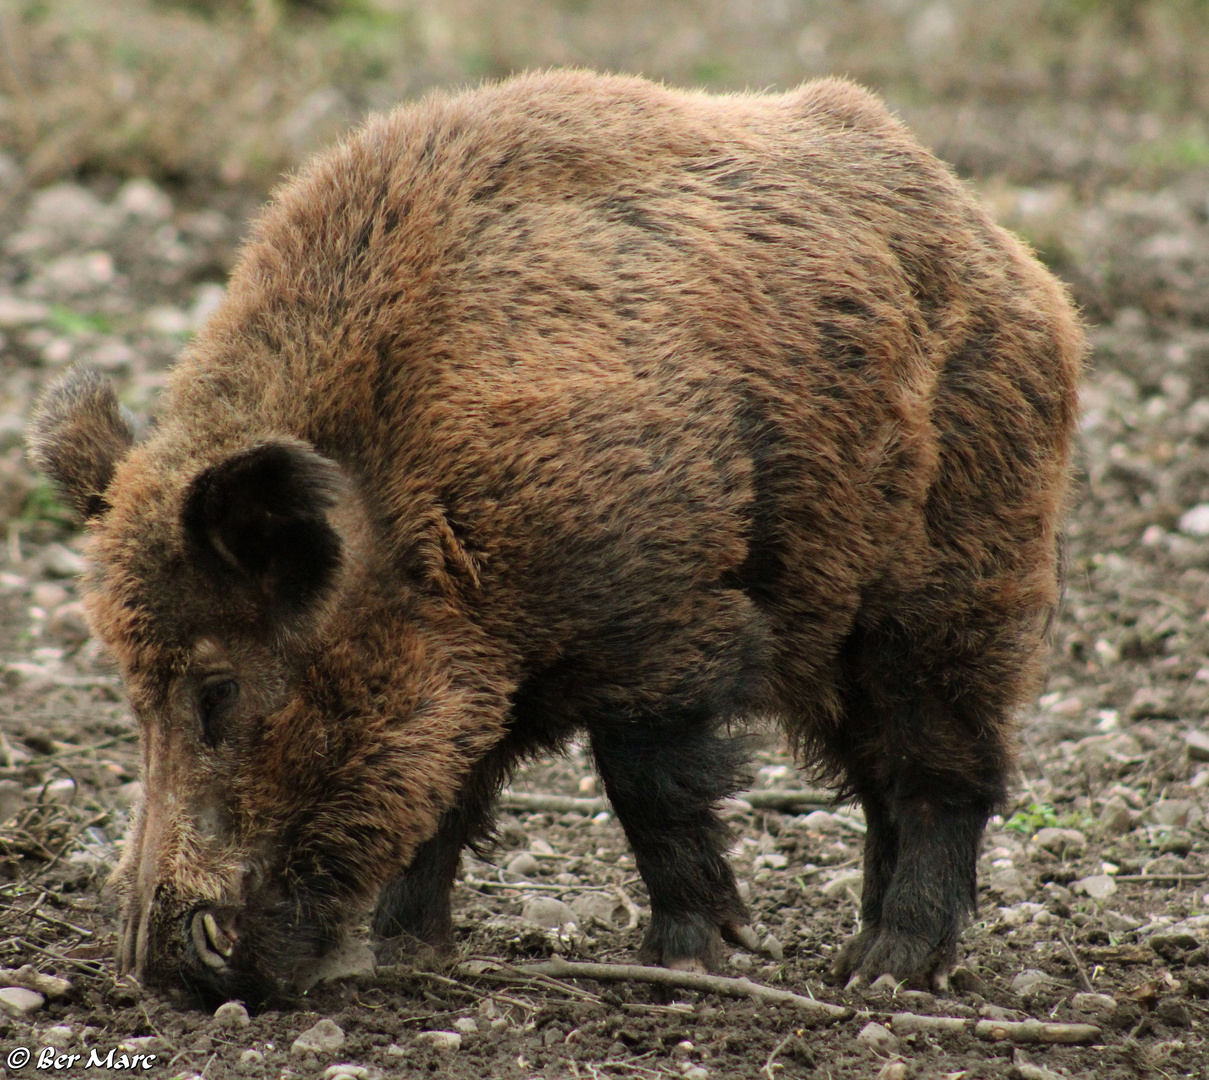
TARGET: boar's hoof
(214,943)
(692,942)
(875,952)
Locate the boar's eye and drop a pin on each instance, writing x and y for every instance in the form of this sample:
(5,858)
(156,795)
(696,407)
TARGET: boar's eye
(214,702)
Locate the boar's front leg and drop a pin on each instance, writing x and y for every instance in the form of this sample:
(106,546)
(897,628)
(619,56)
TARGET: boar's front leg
(663,778)
(415,906)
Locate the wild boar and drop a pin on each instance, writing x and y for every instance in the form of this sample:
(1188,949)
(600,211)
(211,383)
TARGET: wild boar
(578,405)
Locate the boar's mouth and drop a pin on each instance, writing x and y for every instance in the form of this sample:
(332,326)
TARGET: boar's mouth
(222,953)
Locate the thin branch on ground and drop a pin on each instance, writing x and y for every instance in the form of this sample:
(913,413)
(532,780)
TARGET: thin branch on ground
(684,980)
(767,1070)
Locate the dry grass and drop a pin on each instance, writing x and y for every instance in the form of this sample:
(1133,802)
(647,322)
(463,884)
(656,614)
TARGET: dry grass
(237,90)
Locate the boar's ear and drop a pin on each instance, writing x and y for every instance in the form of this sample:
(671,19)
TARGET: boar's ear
(76,437)
(262,514)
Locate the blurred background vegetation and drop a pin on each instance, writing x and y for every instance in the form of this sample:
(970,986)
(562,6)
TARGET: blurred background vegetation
(235,91)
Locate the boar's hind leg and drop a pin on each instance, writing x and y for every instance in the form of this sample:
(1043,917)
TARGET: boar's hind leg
(929,770)
(919,886)
(663,778)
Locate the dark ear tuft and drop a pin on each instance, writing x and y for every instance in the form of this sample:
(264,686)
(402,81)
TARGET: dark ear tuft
(77,435)
(262,515)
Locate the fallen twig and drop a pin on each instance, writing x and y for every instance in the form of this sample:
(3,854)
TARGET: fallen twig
(787,800)
(905,1023)
(1036,1031)
(1078,964)
(551,804)
(1177,878)
(767,1070)
(633,912)
(685,980)
(30,978)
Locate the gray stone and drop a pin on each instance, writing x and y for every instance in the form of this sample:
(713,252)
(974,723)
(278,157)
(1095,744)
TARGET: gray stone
(844,882)
(772,946)
(59,561)
(1195,522)
(594,906)
(76,275)
(878,1038)
(15,312)
(1116,818)
(12,799)
(1031,981)
(1098,1004)
(251,1061)
(345,1072)
(232,1014)
(1008,883)
(440,1040)
(894,1070)
(141,199)
(1061,841)
(59,1036)
(325,1037)
(821,821)
(67,213)
(525,865)
(1098,886)
(1178,813)
(467,1025)
(1198,745)
(547,912)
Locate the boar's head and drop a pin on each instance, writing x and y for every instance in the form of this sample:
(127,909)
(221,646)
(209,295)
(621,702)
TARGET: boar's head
(302,721)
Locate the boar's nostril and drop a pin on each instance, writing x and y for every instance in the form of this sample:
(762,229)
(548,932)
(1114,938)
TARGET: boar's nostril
(212,942)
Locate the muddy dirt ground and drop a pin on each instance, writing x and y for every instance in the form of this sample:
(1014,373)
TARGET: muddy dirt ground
(1093,885)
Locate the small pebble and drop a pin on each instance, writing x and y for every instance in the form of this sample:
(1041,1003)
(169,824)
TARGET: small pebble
(345,1072)
(523,864)
(232,1014)
(1197,743)
(467,1025)
(683,1049)
(251,1060)
(844,882)
(894,1070)
(966,981)
(821,821)
(773,947)
(696,1072)
(1099,1004)
(59,1036)
(1061,841)
(1008,883)
(326,1037)
(440,1040)
(1031,981)
(19,1002)
(594,906)
(878,1038)
(547,912)
(1116,818)
(1098,886)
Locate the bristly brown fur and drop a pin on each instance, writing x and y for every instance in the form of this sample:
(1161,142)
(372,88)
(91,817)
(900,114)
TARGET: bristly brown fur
(653,411)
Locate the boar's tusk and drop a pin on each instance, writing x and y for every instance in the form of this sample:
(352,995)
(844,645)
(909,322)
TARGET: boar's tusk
(221,942)
(204,931)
